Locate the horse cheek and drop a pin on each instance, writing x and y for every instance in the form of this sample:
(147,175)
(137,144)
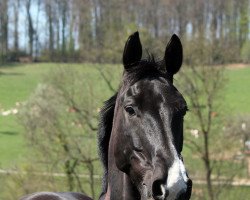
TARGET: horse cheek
(121,154)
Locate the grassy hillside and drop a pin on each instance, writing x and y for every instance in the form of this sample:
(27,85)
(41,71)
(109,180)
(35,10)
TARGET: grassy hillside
(237,90)
(18,81)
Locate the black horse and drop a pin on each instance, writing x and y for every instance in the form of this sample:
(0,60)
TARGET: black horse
(56,196)
(141,131)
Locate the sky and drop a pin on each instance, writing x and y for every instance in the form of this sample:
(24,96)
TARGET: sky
(22,27)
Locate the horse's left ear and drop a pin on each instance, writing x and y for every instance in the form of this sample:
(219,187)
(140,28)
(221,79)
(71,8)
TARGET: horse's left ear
(173,55)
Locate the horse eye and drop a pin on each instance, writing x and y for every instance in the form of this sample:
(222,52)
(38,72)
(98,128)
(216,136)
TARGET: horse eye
(130,110)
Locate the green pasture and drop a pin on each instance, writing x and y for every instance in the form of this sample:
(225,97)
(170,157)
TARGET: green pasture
(237,95)
(18,81)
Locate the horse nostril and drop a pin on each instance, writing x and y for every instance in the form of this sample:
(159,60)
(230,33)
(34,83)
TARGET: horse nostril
(158,190)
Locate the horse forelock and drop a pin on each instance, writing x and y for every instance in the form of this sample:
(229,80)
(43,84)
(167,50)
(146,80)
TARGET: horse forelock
(145,68)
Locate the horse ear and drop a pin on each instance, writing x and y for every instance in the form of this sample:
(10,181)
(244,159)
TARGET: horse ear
(173,55)
(132,51)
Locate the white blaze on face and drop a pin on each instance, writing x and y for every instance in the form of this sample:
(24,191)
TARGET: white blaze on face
(177,179)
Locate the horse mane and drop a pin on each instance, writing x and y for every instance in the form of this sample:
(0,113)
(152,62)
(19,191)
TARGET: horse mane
(141,69)
(104,132)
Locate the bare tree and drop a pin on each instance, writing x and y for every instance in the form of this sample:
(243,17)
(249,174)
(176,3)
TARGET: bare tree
(60,121)
(63,112)
(97,27)
(203,86)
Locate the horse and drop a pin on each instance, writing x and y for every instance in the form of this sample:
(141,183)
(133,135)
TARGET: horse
(141,129)
(140,136)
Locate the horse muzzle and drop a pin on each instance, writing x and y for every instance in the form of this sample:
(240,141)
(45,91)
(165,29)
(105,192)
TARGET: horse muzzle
(158,190)
(161,192)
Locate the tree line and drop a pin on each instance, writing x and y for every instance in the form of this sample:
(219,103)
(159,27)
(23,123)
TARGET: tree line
(216,31)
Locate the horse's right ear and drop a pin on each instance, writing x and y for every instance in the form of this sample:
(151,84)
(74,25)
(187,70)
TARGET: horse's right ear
(173,55)
(132,51)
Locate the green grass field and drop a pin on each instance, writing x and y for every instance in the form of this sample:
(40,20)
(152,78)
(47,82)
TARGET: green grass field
(16,84)
(18,81)
(237,90)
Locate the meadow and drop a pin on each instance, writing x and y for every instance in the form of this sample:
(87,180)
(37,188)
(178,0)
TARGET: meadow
(19,81)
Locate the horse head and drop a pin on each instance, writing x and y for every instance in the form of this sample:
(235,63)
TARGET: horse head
(147,131)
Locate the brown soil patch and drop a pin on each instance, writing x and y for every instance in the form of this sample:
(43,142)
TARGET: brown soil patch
(237,66)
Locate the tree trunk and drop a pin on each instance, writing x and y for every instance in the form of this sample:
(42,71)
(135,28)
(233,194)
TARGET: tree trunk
(208,167)
(16,20)
(4,29)
(64,20)
(36,34)
(31,30)
(51,29)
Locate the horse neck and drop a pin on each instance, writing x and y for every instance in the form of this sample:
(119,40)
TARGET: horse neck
(120,186)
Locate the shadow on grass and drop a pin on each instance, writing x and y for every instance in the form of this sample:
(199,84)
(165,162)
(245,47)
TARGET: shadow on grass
(11,64)
(8,133)
(11,74)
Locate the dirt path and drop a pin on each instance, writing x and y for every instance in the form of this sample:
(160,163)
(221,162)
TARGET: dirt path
(196,181)
(237,66)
